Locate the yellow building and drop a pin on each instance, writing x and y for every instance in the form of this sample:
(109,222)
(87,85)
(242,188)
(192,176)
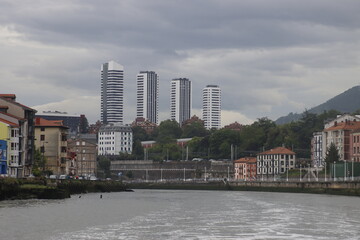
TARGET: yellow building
(9,146)
(51,139)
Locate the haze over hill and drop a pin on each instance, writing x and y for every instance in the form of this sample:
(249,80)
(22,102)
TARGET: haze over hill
(346,102)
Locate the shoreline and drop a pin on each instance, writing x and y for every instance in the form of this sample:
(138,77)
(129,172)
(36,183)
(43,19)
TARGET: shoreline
(331,188)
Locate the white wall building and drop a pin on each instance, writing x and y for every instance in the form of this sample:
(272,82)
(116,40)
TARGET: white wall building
(115,138)
(274,161)
(316,149)
(180,99)
(112,92)
(147,100)
(212,106)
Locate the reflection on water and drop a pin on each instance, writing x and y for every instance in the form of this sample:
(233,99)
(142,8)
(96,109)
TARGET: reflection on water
(161,214)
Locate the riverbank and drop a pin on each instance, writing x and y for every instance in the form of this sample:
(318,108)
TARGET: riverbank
(11,188)
(333,188)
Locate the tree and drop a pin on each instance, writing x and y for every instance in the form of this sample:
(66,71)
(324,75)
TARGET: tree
(332,155)
(38,168)
(168,131)
(104,165)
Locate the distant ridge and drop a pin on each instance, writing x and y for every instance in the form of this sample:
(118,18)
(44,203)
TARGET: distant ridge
(346,102)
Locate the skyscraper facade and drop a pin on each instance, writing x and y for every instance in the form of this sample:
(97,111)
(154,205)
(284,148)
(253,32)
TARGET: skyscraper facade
(180,99)
(147,99)
(112,92)
(212,106)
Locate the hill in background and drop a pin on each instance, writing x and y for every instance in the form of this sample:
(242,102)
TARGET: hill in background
(346,102)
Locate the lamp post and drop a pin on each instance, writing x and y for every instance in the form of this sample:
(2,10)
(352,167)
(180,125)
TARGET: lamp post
(300,174)
(334,172)
(352,170)
(344,170)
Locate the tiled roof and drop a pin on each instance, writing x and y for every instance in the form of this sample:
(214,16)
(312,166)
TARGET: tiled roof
(246,160)
(40,122)
(278,150)
(8,122)
(344,126)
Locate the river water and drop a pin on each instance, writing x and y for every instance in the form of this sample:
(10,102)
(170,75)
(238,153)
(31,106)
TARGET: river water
(169,214)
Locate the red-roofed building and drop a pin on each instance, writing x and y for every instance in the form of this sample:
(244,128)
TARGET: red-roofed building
(339,134)
(51,139)
(274,161)
(245,168)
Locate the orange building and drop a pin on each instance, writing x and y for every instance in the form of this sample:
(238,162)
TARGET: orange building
(245,168)
(355,146)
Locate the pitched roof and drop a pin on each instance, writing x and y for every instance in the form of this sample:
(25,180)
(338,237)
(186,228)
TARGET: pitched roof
(40,122)
(246,160)
(349,125)
(11,99)
(278,150)
(8,122)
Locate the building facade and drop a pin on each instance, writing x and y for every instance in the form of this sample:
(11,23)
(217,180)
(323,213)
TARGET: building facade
(275,161)
(9,147)
(112,92)
(84,150)
(180,99)
(212,106)
(245,169)
(22,116)
(316,150)
(51,139)
(355,146)
(339,134)
(114,139)
(147,106)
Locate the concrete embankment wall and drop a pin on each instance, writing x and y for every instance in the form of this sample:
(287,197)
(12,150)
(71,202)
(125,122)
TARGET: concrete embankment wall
(336,188)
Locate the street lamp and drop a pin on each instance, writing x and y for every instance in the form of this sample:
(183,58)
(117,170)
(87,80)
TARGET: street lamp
(334,171)
(300,173)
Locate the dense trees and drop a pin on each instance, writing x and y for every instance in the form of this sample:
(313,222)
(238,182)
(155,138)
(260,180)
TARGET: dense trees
(261,135)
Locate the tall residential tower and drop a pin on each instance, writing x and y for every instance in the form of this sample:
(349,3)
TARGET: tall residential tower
(147,99)
(180,99)
(212,106)
(112,92)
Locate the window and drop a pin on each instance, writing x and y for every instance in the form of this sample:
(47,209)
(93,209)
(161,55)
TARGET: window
(42,149)
(42,129)
(63,149)
(42,137)
(63,138)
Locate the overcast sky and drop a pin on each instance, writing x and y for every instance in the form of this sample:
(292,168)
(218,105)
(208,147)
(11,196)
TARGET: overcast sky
(270,57)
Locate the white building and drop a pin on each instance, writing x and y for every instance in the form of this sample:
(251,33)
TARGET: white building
(147,105)
(114,139)
(316,149)
(112,92)
(274,161)
(212,106)
(180,99)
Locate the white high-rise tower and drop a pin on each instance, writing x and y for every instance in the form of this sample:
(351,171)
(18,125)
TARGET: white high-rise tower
(148,96)
(112,92)
(212,106)
(180,99)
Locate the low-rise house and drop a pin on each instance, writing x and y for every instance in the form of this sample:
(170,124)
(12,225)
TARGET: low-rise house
(245,169)
(275,161)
